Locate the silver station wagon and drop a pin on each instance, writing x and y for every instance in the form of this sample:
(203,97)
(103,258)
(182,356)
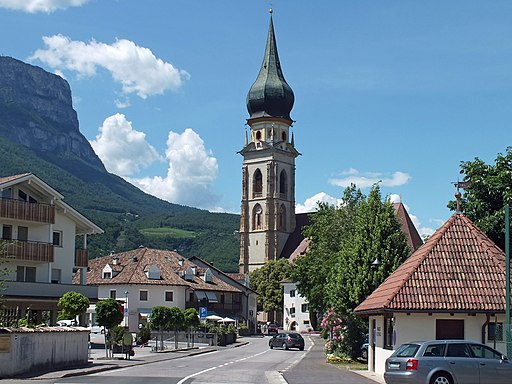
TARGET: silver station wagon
(447,362)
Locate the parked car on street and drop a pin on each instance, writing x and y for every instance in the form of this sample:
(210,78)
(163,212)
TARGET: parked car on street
(67,323)
(364,351)
(272,329)
(447,362)
(287,340)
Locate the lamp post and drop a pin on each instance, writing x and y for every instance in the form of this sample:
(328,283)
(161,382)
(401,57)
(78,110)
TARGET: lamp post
(507,280)
(126,310)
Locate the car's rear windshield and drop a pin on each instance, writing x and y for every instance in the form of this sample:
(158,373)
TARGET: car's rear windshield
(294,335)
(407,350)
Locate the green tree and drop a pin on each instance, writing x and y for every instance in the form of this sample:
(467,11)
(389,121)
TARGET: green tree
(336,273)
(190,321)
(267,282)
(176,322)
(328,228)
(108,315)
(72,305)
(488,190)
(159,319)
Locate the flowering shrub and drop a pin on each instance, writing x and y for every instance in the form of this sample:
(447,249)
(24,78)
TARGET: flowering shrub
(333,326)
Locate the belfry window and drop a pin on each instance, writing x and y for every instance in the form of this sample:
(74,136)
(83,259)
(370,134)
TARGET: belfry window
(257,217)
(281,220)
(283,184)
(257,184)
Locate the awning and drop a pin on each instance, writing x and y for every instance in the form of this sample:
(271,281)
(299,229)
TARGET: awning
(200,295)
(144,313)
(210,296)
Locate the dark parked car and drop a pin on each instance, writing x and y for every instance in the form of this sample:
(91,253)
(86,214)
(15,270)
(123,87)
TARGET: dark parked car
(364,351)
(272,329)
(447,362)
(287,340)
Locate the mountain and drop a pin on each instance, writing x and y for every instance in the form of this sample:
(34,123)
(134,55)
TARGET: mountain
(39,133)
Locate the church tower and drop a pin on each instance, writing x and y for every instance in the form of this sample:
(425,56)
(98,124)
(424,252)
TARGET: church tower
(268,173)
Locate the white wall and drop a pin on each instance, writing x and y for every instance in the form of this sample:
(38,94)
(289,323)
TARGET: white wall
(417,327)
(301,318)
(156,297)
(43,351)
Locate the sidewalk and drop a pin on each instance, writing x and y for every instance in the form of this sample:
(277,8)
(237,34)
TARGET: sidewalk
(98,362)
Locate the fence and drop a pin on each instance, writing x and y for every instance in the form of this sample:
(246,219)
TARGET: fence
(9,317)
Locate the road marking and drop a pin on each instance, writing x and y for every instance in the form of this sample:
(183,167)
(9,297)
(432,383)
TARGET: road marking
(220,366)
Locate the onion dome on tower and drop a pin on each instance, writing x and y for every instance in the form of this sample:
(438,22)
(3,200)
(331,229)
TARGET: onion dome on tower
(270,95)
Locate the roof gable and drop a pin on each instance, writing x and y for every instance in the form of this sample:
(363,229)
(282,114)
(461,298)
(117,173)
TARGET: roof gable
(458,269)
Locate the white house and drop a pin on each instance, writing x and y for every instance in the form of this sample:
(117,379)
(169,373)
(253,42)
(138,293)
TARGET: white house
(453,287)
(144,278)
(39,233)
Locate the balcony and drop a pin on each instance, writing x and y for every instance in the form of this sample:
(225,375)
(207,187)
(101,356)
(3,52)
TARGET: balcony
(27,251)
(81,258)
(21,210)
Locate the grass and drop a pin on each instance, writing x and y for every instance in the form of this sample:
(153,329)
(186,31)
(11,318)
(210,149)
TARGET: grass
(168,232)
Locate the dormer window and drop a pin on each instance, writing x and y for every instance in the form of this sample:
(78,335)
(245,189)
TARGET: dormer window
(107,272)
(189,274)
(208,276)
(153,273)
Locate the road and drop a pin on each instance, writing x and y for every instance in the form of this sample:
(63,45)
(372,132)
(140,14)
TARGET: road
(253,363)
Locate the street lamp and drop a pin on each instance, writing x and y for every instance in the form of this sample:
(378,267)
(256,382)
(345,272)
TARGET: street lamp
(375,265)
(126,308)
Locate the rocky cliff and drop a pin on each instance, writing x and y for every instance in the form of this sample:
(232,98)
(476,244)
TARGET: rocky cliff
(36,111)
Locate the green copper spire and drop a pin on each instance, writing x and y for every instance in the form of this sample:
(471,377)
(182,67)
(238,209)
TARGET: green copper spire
(270,95)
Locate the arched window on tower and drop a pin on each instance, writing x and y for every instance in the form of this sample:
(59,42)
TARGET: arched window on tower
(281,220)
(257,217)
(283,184)
(257,184)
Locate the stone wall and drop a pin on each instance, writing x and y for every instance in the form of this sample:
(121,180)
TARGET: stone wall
(25,350)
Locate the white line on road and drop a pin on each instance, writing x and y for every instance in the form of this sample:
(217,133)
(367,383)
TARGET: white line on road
(218,366)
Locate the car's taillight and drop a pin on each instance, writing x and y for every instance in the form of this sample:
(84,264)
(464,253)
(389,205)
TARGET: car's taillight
(289,338)
(411,365)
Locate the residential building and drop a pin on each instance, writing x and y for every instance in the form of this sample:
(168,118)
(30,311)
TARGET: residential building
(39,247)
(241,281)
(143,278)
(452,287)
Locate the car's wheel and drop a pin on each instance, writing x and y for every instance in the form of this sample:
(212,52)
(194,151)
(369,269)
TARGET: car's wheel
(301,348)
(271,346)
(441,378)
(285,346)
(364,354)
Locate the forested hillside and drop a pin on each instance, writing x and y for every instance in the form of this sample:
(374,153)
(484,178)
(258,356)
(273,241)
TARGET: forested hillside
(129,217)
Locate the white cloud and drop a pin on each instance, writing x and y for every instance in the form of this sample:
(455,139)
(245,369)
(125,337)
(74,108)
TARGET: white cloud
(136,68)
(367,179)
(122,104)
(33,6)
(311,203)
(190,176)
(123,150)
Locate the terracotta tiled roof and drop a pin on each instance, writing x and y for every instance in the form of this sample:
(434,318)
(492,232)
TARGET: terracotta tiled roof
(459,269)
(414,240)
(300,250)
(132,266)
(10,178)
(296,237)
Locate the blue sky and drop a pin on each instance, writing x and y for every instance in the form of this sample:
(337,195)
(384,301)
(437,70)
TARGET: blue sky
(398,91)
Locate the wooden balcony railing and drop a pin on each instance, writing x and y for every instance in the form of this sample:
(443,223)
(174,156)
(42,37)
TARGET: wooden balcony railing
(81,258)
(21,210)
(26,250)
